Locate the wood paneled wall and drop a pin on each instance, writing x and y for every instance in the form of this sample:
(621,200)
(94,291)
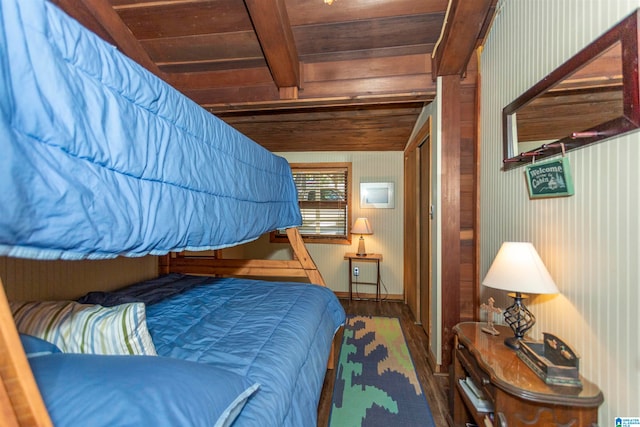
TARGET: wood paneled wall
(450,208)
(468,203)
(458,205)
(27,280)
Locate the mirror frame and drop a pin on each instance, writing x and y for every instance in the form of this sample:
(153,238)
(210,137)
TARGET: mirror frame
(627,33)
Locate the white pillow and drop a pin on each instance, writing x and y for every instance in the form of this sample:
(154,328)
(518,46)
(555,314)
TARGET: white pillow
(86,328)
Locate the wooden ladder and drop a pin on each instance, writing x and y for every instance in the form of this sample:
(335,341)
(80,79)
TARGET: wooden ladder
(301,265)
(20,400)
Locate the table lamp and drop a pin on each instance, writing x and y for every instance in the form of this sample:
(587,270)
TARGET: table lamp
(361,227)
(518,268)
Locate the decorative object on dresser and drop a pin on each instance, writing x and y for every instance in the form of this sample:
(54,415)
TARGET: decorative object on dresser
(518,268)
(491,310)
(361,227)
(553,360)
(491,386)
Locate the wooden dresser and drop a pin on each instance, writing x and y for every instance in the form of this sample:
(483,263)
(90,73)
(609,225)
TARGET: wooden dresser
(514,395)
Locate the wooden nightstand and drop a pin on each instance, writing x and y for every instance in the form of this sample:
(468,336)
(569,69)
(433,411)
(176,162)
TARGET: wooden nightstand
(516,396)
(367,258)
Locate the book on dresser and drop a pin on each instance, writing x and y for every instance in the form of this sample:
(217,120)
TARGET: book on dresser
(476,397)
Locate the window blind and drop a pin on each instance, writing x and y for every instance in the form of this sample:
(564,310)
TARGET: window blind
(323,198)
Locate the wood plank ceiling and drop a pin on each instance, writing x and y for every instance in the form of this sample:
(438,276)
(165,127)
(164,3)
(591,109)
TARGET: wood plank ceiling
(294,75)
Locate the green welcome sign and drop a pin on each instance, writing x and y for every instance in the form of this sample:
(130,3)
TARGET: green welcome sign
(549,179)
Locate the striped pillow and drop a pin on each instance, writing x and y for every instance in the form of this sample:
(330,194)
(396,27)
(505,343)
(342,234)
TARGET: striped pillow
(86,328)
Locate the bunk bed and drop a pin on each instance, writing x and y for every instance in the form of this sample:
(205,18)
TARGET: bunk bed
(103,159)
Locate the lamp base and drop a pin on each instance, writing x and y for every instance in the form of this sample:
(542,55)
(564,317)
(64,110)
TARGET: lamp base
(512,342)
(361,250)
(519,319)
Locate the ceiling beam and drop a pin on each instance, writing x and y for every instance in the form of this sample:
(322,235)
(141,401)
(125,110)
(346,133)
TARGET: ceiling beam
(465,23)
(355,113)
(77,10)
(107,23)
(328,102)
(271,22)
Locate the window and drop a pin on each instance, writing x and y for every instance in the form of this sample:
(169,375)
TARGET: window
(324,195)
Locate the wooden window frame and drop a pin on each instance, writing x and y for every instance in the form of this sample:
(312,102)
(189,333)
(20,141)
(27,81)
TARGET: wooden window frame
(275,237)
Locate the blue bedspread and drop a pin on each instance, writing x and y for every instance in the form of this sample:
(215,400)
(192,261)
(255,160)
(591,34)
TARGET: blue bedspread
(101,158)
(276,334)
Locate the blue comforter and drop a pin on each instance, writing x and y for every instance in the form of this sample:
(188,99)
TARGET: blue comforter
(276,334)
(101,158)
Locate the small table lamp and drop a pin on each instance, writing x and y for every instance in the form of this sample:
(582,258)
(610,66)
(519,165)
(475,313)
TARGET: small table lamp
(361,226)
(518,268)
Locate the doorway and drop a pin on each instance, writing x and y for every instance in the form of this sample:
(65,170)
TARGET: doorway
(417,228)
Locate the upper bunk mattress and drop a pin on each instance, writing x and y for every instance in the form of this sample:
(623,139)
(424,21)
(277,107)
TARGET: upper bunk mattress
(101,158)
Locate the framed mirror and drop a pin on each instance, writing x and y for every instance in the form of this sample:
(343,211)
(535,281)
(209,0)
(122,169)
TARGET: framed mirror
(593,96)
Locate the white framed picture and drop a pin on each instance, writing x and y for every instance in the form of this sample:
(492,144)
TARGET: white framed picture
(378,195)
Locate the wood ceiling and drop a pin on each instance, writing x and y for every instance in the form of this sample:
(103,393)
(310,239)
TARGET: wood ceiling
(298,75)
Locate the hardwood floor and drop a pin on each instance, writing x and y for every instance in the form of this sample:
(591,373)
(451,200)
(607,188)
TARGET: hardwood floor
(434,386)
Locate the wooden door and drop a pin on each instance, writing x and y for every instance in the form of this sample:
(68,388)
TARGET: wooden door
(417,232)
(424,234)
(411,225)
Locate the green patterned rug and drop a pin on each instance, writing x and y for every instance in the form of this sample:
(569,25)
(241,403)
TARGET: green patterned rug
(376,382)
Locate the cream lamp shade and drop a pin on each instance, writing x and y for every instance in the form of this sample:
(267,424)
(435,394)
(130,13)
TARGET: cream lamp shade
(361,226)
(518,268)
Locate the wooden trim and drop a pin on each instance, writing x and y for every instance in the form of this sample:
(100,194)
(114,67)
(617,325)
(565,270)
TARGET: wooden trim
(236,267)
(322,165)
(420,136)
(20,400)
(433,364)
(476,193)
(372,296)
(450,208)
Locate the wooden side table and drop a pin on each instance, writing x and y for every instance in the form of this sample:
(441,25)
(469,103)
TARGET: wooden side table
(516,396)
(352,257)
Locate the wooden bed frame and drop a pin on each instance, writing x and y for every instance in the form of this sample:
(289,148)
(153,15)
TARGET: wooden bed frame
(20,401)
(300,266)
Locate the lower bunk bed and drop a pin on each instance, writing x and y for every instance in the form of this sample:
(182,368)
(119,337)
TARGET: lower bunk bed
(219,348)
